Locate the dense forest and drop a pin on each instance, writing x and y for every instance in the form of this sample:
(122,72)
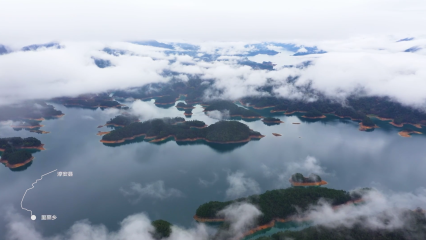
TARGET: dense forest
(299,178)
(12,152)
(366,121)
(163,229)
(222,131)
(92,101)
(356,108)
(413,229)
(233,109)
(168,99)
(28,110)
(17,142)
(182,105)
(281,203)
(123,120)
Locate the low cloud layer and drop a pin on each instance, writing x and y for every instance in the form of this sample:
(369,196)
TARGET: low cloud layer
(156,190)
(219,115)
(240,186)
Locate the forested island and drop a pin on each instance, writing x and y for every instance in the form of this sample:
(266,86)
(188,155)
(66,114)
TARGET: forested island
(182,105)
(271,121)
(14,150)
(167,100)
(298,179)
(91,101)
(280,203)
(367,124)
(313,114)
(122,120)
(413,229)
(162,229)
(234,110)
(161,129)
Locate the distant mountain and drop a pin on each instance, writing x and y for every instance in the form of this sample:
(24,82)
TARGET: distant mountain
(263,48)
(405,39)
(102,63)
(154,43)
(3,50)
(413,49)
(37,46)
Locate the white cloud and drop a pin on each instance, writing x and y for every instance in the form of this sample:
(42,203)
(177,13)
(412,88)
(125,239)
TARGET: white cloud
(153,190)
(219,115)
(376,206)
(240,186)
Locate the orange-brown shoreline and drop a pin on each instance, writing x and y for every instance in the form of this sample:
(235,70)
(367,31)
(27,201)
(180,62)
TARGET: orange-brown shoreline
(276,134)
(102,133)
(362,127)
(322,116)
(272,121)
(16,165)
(181,140)
(41,147)
(407,133)
(297,184)
(27,126)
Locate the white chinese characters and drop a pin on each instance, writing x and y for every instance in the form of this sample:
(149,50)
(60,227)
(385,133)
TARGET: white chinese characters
(48,217)
(65,174)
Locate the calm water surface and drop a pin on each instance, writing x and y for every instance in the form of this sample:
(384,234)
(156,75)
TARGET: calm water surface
(348,158)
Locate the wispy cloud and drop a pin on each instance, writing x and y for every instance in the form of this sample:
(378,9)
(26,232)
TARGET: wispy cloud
(240,186)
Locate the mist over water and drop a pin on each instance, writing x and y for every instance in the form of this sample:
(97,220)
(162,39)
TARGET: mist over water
(171,180)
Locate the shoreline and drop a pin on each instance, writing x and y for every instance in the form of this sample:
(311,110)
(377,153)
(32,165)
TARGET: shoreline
(407,133)
(322,116)
(187,114)
(18,164)
(102,133)
(27,126)
(312,184)
(180,140)
(362,127)
(40,147)
(272,121)
(276,134)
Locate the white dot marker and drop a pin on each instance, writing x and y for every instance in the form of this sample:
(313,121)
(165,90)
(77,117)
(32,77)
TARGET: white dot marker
(33,217)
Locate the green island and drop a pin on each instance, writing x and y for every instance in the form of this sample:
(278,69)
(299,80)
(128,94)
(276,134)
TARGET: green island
(122,120)
(414,228)
(91,101)
(15,152)
(161,129)
(298,179)
(234,110)
(182,105)
(313,114)
(163,229)
(280,203)
(272,120)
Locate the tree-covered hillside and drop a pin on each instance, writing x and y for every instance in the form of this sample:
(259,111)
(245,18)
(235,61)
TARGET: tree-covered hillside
(233,109)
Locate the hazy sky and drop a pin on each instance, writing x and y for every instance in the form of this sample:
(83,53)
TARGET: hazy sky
(28,21)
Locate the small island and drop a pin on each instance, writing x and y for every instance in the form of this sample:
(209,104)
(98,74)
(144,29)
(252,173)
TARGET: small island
(233,109)
(188,112)
(162,229)
(182,105)
(298,180)
(122,120)
(276,134)
(158,130)
(272,120)
(15,152)
(367,124)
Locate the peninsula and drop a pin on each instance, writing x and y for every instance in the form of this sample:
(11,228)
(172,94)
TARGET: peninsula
(161,129)
(407,133)
(298,180)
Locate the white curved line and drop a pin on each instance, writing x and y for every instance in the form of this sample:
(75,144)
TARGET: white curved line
(32,188)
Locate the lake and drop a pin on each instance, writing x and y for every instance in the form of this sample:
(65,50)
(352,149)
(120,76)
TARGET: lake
(188,175)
